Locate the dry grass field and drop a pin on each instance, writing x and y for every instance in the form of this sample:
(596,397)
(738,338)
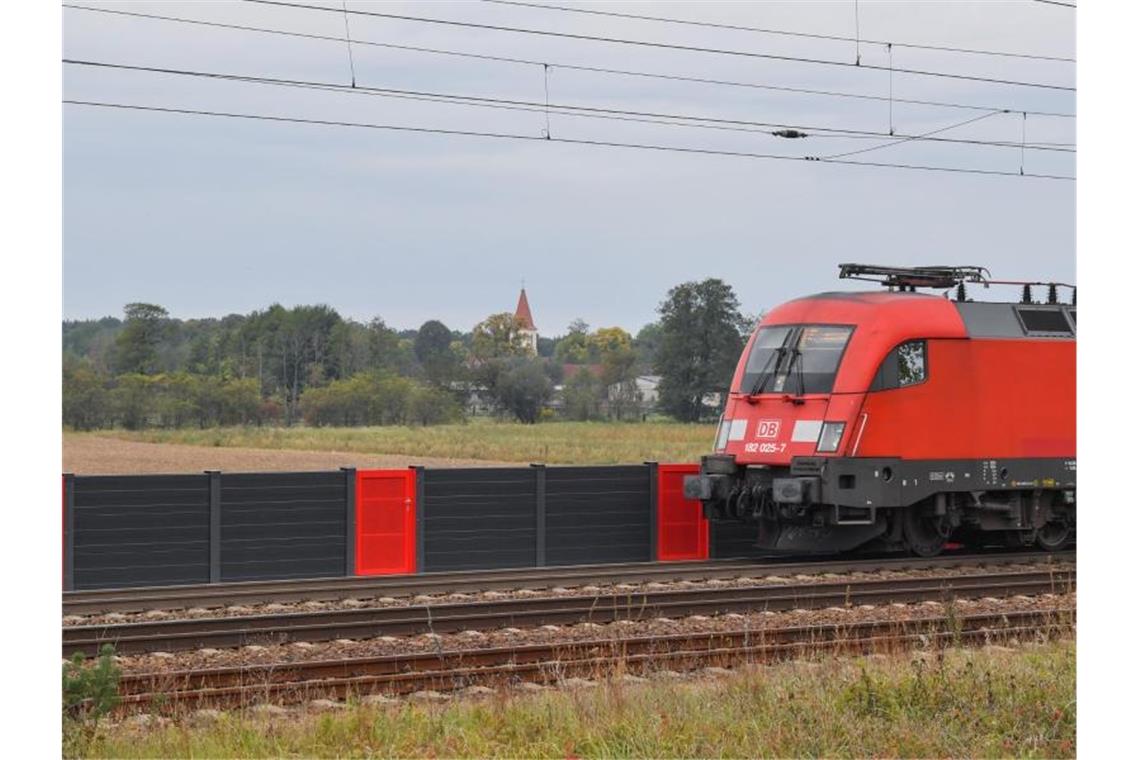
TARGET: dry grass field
(477,443)
(991,702)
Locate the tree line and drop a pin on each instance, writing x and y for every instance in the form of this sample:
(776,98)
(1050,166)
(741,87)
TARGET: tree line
(282,366)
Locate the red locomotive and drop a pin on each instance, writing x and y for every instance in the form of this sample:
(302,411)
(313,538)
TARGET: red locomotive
(901,419)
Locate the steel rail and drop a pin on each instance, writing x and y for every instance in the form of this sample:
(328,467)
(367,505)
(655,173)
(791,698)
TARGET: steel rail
(330,589)
(193,633)
(546,663)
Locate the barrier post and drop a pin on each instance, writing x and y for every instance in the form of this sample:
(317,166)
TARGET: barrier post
(421,508)
(654,510)
(68,531)
(349,520)
(539,514)
(215,486)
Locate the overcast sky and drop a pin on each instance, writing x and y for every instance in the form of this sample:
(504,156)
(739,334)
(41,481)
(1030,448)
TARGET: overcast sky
(210,216)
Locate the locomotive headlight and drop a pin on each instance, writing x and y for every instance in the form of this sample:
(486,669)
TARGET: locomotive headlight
(829,437)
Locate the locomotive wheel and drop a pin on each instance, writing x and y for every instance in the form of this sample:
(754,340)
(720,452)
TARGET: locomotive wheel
(925,535)
(1054,536)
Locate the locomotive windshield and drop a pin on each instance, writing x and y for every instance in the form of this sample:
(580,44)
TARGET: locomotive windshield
(794,359)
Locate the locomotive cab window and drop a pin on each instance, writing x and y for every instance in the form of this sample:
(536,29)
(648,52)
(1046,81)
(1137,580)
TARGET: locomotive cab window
(795,359)
(905,365)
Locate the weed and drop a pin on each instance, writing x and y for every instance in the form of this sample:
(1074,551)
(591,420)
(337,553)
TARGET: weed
(989,702)
(90,692)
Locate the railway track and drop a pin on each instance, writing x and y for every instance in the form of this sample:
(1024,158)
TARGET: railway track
(219,632)
(330,589)
(231,687)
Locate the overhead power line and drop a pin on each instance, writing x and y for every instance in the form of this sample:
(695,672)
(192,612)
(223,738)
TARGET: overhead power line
(672,119)
(571,66)
(670,46)
(781,32)
(1056,2)
(911,138)
(552,139)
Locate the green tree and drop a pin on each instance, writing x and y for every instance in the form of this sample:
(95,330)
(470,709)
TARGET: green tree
(133,400)
(646,345)
(581,396)
(136,346)
(239,401)
(519,386)
(701,341)
(574,347)
(86,402)
(432,347)
(433,406)
(378,398)
(499,336)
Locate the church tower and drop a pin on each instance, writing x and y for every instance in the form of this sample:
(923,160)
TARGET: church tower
(522,313)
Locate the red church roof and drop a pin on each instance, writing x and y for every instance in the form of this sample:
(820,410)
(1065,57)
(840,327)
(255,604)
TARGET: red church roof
(522,311)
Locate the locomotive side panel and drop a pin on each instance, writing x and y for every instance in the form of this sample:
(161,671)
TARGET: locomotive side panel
(982,399)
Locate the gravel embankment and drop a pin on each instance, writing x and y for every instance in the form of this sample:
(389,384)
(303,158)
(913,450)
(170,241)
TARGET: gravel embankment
(557,592)
(506,637)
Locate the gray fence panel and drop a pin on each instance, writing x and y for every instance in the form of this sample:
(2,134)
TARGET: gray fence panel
(598,515)
(282,525)
(478,518)
(140,530)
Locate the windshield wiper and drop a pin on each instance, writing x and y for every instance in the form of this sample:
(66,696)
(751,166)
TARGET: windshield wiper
(798,364)
(758,386)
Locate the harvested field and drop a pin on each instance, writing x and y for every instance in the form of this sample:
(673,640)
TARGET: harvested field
(93,454)
(490,441)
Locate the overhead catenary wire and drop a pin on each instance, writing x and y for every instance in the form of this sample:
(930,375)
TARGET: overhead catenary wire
(561,108)
(565,65)
(786,32)
(922,136)
(656,44)
(565,140)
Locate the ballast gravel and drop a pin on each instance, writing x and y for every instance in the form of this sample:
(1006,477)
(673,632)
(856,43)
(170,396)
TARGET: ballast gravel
(284,654)
(743,581)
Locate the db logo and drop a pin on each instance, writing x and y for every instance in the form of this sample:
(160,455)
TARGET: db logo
(767,428)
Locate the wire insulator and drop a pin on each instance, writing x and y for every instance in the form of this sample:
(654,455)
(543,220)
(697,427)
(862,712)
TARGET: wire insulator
(1026,294)
(1052,292)
(961,292)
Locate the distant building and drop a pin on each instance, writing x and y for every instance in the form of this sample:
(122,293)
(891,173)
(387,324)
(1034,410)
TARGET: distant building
(647,387)
(529,331)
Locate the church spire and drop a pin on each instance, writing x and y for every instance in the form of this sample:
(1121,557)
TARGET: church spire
(522,311)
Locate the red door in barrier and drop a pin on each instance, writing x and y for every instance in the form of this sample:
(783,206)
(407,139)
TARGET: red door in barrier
(385,522)
(682,530)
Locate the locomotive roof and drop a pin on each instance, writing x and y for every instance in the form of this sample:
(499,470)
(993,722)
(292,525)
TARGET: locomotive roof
(927,315)
(886,319)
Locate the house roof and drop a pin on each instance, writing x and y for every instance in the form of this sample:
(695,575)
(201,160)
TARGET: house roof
(522,312)
(570,370)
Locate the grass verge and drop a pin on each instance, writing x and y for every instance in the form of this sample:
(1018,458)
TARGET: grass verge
(987,702)
(553,443)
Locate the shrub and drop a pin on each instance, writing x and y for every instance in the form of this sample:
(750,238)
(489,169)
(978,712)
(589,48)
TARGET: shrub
(90,692)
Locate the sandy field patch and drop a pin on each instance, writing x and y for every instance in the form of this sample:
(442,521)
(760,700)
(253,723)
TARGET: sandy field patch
(86,454)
